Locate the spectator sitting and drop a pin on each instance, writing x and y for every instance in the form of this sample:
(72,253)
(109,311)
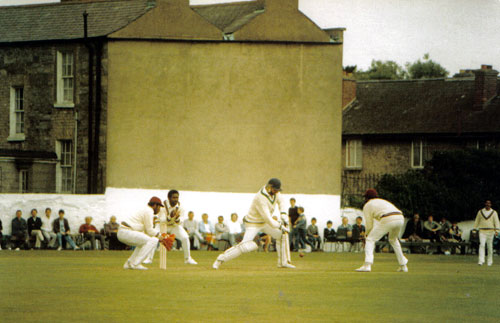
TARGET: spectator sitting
(263,240)
(496,242)
(207,231)
(91,233)
(61,228)
(111,232)
(1,236)
(414,231)
(455,235)
(47,229)
(19,233)
(35,228)
(301,225)
(358,235)
(191,227)
(329,234)
(313,235)
(432,229)
(474,240)
(221,231)
(444,233)
(235,230)
(344,233)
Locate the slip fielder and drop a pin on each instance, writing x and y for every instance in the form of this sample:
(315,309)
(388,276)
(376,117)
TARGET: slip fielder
(259,219)
(382,217)
(488,224)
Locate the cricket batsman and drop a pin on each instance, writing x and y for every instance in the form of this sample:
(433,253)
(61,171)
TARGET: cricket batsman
(138,231)
(259,219)
(382,217)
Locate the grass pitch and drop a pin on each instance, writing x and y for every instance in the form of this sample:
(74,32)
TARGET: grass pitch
(91,286)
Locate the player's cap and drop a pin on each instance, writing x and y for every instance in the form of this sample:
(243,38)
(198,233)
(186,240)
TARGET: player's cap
(275,183)
(371,193)
(155,200)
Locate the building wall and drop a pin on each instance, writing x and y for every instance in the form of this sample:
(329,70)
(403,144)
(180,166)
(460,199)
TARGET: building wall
(224,116)
(34,68)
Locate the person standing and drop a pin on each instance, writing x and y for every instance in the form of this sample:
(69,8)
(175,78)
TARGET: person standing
(382,217)
(138,231)
(172,215)
(47,229)
(293,216)
(488,225)
(35,228)
(259,219)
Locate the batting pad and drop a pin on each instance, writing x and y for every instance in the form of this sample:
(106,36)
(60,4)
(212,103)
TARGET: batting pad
(244,247)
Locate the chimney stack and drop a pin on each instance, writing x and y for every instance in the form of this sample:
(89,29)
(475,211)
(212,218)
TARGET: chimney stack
(485,86)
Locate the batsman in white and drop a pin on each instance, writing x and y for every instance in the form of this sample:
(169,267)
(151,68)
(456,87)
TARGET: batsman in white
(138,231)
(382,217)
(172,215)
(488,224)
(259,219)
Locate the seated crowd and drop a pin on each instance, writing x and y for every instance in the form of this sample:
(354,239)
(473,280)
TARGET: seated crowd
(47,232)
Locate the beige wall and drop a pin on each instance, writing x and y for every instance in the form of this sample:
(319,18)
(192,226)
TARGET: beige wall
(224,116)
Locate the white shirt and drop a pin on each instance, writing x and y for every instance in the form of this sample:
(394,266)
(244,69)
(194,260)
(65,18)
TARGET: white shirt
(234,227)
(374,209)
(142,221)
(165,212)
(262,209)
(46,224)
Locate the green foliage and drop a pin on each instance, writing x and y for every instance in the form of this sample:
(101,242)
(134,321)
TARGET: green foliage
(355,201)
(382,70)
(454,184)
(390,70)
(425,69)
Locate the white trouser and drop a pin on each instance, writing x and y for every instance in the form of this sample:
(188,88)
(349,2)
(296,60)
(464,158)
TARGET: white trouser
(39,237)
(486,238)
(143,243)
(197,238)
(182,235)
(50,236)
(392,225)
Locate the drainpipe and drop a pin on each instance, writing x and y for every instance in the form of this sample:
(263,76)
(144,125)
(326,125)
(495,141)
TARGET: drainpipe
(98,108)
(75,152)
(90,154)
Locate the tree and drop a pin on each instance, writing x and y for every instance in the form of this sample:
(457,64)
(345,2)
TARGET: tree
(453,184)
(382,70)
(425,69)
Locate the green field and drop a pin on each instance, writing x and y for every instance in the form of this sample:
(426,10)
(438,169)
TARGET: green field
(91,286)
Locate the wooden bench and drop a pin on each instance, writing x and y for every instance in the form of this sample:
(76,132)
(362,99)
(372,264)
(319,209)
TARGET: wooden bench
(426,245)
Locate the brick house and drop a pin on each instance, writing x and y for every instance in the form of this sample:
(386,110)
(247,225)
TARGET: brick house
(394,126)
(86,111)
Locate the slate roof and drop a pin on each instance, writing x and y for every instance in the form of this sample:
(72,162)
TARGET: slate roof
(63,21)
(425,107)
(229,17)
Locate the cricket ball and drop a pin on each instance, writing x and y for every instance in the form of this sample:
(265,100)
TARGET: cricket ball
(301,255)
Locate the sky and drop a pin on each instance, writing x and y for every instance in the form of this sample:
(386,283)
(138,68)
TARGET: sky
(458,34)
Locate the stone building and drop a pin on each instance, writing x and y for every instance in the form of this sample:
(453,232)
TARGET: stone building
(393,126)
(160,94)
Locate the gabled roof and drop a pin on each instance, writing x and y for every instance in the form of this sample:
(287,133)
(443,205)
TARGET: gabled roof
(425,107)
(229,17)
(63,21)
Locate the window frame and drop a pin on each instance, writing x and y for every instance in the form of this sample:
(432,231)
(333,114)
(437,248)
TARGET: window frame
(422,146)
(17,96)
(64,171)
(23,181)
(62,67)
(358,154)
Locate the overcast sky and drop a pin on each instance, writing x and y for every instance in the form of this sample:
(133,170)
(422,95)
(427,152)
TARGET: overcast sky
(456,33)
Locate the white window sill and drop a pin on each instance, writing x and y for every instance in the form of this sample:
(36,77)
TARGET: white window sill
(353,168)
(17,137)
(64,105)
(417,167)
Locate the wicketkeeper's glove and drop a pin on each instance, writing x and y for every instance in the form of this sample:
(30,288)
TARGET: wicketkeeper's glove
(168,240)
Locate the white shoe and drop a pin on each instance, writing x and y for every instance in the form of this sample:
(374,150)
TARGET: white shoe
(364,268)
(147,262)
(190,261)
(490,264)
(76,248)
(17,249)
(59,248)
(127,265)
(217,263)
(403,268)
(287,265)
(480,263)
(138,267)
